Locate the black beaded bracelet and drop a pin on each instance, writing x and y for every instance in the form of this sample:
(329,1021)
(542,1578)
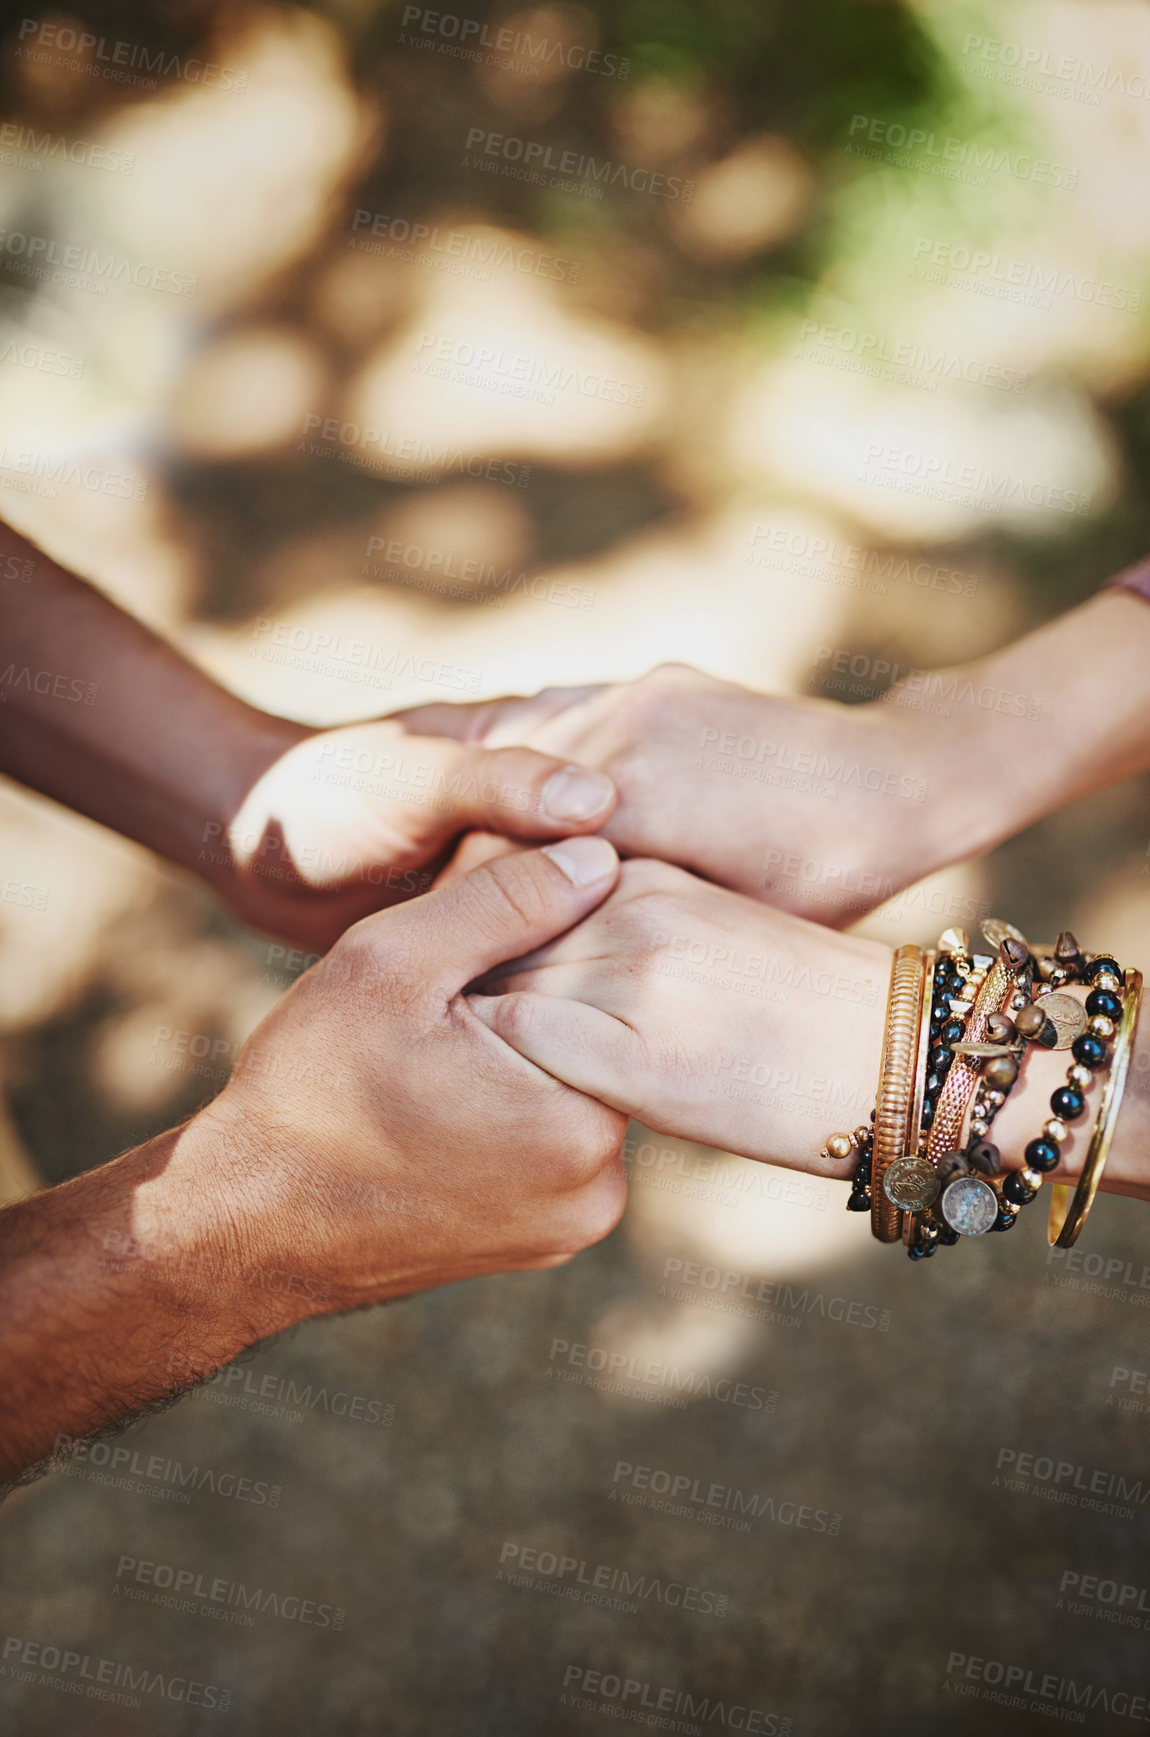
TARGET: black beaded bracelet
(1092,1049)
(1035,1013)
(1050,1020)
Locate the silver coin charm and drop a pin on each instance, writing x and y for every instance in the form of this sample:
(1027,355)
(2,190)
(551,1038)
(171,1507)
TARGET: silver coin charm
(970,1206)
(1067,1016)
(911,1184)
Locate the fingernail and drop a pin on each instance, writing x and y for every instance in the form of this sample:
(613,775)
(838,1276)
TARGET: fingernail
(576,794)
(583,860)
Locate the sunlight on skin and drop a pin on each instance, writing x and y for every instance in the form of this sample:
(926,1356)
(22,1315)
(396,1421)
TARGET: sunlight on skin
(687,591)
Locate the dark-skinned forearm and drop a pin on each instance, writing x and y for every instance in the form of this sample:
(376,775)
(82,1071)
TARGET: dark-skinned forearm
(100,713)
(122,1287)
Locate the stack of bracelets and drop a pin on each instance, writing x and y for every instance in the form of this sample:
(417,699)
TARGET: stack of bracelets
(958,1027)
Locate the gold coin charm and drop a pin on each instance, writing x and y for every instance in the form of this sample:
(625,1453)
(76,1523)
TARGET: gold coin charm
(911,1184)
(1066,1015)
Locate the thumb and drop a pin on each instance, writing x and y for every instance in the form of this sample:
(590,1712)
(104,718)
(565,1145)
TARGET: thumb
(521,793)
(511,904)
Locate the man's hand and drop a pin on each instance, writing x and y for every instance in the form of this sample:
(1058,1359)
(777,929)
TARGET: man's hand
(704,1015)
(300,831)
(376,1139)
(822,809)
(354,820)
(384,1139)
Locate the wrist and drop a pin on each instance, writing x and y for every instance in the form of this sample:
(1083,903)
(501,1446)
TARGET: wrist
(828,1066)
(1020,733)
(121,1288)
(250,742)
(225,1215)
(976,781)
(198,1221)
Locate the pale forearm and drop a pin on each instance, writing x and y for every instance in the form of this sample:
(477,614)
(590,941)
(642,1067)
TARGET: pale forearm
(101,714)
(1060,713)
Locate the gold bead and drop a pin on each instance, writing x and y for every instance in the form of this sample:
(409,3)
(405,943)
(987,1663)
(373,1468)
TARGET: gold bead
(862,1132)
(1079,1076)
(1107,980)
(1032,1178)
(1100,1026)
(839,1146)
(1055,1130)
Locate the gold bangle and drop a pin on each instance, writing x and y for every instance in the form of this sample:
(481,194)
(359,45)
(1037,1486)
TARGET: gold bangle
(956,1094)
(1066,1221)
(914,1140)
(896,1083)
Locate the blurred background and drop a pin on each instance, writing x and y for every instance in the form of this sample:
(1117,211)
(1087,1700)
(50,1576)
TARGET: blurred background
(547,343)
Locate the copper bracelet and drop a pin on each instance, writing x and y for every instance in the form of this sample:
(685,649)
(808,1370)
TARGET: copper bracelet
(963,1076)
(896,1083)
(921,1067)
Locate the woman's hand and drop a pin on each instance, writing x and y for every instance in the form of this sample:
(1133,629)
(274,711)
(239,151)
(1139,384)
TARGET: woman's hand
(704,1016)
(707,1017)
(827,810)
(822,809)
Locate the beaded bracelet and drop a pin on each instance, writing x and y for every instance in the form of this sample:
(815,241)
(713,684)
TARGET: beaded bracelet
(1086,1031)
(985,1013)
(1066,1220)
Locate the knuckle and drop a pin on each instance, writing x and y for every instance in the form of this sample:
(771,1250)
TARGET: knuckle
(507,886)
(597,1209)
(514,1016)
(648,697)
(504,777)
(374,960)
(644,876)
(593,1149)
(649,903)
